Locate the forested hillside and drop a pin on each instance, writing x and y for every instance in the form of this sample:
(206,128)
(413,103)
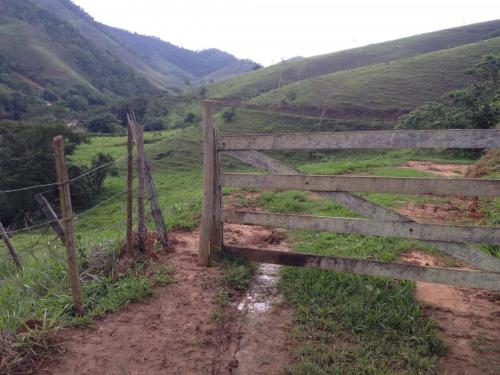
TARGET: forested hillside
(53,54)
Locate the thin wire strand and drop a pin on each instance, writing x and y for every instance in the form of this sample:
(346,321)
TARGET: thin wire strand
(57,183)
(27,229)
(100,204)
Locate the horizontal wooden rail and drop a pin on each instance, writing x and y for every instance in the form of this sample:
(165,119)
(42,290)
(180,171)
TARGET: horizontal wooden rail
(403,185)
(474,279)
(446,233)
(383,139)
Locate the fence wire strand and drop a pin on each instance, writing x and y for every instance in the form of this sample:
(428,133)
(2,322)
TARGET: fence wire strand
(57,183)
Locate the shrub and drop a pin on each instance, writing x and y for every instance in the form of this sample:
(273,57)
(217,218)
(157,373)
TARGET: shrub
(228,115)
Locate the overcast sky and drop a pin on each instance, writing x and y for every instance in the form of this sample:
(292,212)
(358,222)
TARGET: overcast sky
(267,31)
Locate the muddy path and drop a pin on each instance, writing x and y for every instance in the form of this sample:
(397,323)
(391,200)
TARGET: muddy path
(173,332)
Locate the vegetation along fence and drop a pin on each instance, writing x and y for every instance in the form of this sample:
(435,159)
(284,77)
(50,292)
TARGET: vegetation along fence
(452,239)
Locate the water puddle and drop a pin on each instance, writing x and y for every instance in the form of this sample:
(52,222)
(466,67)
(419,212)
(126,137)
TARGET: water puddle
(263,291)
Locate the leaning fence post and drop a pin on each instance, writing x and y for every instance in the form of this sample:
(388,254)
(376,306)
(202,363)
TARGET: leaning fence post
(69,230)
(161,228)
(51,215)
(209,230)
(10,247)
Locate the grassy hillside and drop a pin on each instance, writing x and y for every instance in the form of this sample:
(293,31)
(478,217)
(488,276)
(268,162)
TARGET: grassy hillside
(51,52)
(256,82)
(383,90)
(162,63)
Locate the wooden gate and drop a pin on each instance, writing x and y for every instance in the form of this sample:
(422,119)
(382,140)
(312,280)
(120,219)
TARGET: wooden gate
(451,239)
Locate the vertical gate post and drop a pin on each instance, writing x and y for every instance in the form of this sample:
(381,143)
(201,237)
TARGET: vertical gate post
(69,229)
(210,229)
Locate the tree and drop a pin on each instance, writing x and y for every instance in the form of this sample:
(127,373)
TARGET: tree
(474,107)
(228,115)
(26,159)
(154,124)
(104,122)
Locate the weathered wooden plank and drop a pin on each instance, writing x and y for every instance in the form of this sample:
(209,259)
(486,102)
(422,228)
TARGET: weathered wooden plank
(372,210)
(382,139)
(402,185)
(473,279)
(354,202)
(259,160)
(416,231)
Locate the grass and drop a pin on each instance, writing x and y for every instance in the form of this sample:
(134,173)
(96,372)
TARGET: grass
(351,324)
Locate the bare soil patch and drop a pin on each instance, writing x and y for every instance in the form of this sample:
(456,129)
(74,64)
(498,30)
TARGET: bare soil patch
(447,170)
(468,321)
(173,332)
(452,209)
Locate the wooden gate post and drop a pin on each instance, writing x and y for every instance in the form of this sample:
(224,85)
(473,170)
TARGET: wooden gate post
(10,247)
(69,230)
(210,229)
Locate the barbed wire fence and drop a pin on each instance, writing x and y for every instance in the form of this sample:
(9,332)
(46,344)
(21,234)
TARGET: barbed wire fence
(36,239)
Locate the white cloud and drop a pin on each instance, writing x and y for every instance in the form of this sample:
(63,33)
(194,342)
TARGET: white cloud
(269,30)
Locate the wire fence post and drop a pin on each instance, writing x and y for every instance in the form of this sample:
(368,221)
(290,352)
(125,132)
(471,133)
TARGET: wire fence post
(141,218)
(69,230)
(10,247)
(130,176)
(51,215)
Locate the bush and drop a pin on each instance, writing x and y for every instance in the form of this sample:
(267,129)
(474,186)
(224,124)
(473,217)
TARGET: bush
(155,124)
(191,118)
(77,103)
(228,115)
(104,122)
(49,96)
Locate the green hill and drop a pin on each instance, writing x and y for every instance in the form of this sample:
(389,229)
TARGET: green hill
(383,90)
(51,51)
(256,82)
